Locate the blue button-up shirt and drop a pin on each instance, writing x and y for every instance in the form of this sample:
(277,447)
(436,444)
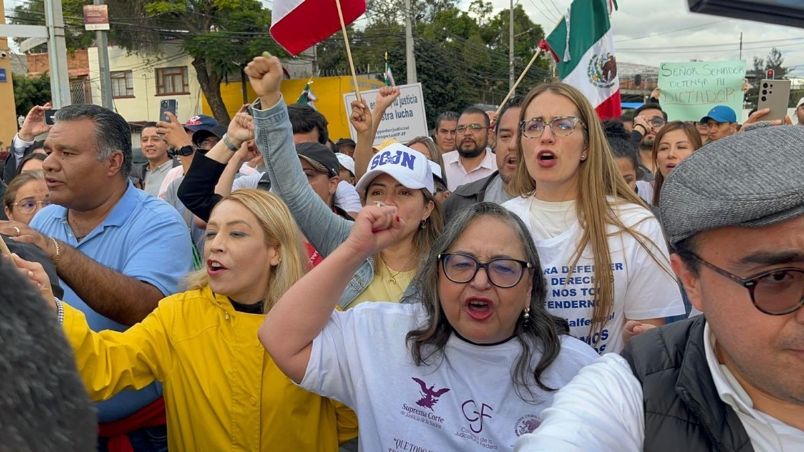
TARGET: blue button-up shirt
(142,237)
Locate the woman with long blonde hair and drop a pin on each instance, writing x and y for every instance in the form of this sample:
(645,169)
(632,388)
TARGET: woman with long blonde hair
(221,390)
(604,256)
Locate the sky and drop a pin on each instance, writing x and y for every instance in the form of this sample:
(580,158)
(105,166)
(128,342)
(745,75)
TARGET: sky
(658,31)
(661,31)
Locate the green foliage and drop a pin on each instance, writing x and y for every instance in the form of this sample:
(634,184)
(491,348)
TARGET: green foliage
(32,12)
(30,91)
(774,61)
(461,57)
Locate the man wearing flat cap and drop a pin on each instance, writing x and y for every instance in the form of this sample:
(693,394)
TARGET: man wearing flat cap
(731,379)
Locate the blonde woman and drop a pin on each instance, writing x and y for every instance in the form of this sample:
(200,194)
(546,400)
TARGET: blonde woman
(603,252)
(221,390)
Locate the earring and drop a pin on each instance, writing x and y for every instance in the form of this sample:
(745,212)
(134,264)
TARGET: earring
(583,157)
(526,317)
(423,224)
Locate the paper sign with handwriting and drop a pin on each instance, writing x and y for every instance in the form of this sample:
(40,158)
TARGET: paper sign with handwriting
(690,90)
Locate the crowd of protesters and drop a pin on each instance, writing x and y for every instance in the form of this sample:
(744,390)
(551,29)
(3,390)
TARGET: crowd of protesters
(530,279)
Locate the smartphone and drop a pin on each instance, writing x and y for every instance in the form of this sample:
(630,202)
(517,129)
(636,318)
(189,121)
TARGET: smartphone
(774,94)
(49,117)
(167,105)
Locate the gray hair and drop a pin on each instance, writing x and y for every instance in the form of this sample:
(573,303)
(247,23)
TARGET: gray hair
(540,332)
(112,132)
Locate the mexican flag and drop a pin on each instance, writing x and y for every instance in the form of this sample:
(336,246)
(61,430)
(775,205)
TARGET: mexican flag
(583,47)
(297,25)
(307,97)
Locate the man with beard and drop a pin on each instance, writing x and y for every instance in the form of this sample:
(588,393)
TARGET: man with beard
(471,161)
(648,121)
(493,188)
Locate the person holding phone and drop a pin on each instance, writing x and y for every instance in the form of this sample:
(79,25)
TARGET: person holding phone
(23,142)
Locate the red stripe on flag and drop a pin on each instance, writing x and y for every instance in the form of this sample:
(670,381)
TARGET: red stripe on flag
(610,108)
(312,22)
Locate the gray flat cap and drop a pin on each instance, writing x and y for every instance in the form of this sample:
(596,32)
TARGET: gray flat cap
(751,179)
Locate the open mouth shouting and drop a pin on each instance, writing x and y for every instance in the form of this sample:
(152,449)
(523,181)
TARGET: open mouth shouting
(546,159)
(215,268)
(479,308)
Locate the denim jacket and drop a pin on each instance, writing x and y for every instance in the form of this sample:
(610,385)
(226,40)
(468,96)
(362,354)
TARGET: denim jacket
(323,228)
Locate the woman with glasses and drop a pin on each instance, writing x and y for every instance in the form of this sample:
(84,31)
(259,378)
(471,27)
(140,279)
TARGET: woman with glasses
(604,256)
(26,194)
(470,367)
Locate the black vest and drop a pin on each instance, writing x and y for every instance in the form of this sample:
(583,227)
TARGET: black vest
(683,411)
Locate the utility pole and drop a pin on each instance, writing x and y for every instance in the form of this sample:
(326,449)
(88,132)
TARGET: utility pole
(57,54)
(409,56)
(103,66)
(741,45)
(511,47)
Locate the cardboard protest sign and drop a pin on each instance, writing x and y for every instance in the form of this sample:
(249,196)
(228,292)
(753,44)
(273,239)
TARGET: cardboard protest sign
(404,120)
(690,90)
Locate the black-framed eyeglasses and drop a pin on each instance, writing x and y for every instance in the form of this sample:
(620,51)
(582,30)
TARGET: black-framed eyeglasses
(28,205)
(470,128)
(502,272)
(657,121)
(774,292)
(560,125)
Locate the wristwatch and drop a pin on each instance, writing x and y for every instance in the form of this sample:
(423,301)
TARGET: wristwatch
(185,151)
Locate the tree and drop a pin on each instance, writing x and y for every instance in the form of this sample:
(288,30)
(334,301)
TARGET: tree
(220,35)
(774,61)
(461,56)
(30,91)
(32,12)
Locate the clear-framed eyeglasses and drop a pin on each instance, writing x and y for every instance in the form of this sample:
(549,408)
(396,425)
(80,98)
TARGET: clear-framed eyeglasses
(561,126)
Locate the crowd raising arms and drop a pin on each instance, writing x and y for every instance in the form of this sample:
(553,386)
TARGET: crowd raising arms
(481,340)
(403,182)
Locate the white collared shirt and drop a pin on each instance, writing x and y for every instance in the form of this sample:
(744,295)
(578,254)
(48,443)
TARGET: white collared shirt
(457,175)
(766,432)
(607,400)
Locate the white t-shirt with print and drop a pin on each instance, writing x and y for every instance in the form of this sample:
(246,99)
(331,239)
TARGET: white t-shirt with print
(464,401)
(642,288)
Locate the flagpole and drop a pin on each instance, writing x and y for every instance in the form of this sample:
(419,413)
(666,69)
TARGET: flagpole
(521,76)
(348,49)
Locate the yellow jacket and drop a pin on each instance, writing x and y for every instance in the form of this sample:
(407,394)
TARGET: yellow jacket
(222,390)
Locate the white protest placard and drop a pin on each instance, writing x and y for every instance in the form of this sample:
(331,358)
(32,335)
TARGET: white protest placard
(404,120)
(690,90)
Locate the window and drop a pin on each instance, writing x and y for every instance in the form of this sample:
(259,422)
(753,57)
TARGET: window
(122,84)
(172,80)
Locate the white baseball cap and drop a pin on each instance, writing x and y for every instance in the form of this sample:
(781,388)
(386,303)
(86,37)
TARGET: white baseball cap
(800,102)
(408,166)
(346,162)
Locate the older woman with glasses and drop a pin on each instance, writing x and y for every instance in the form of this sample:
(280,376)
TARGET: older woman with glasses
(603,252)
(26,194)
(472,365)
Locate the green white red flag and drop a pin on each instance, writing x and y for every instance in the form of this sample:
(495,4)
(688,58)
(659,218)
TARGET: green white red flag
(582,45)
